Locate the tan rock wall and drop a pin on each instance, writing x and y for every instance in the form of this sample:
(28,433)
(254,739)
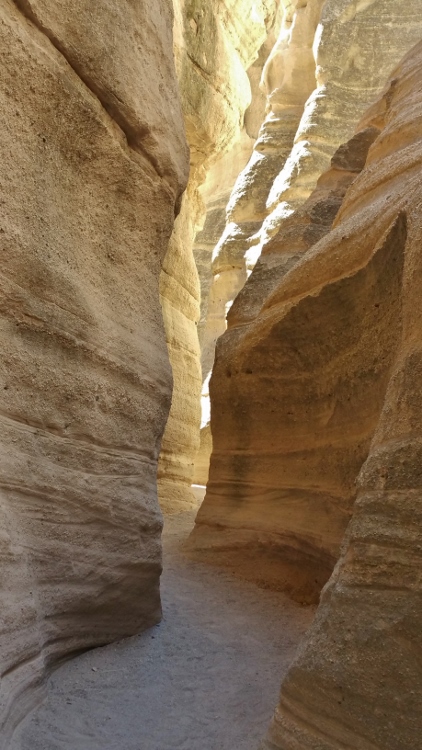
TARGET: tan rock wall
(329,62)
(220,285)
(93,161)
(180,294)
(356,681)
(286,78)
(281,511)
(286,449)
(215,44)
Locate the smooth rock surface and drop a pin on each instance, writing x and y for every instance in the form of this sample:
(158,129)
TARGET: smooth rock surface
(215,44)
(356,682)
(179,294)
(220,285)
(329,62)
(286,455)
(93,163)
(287,446)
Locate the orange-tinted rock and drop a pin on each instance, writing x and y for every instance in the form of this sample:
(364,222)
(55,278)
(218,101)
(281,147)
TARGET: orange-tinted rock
(356,682)
(215,43)
(286,455)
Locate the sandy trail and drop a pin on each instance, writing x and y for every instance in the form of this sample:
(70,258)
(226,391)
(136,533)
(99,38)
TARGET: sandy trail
(206,678)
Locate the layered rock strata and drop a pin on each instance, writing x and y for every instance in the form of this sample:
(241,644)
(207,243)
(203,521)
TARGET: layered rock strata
(329,62)
(94,161)
(215,44)
(276,427)
(280,495)
(356,681)
(286,78)
(180,299)
(218,291)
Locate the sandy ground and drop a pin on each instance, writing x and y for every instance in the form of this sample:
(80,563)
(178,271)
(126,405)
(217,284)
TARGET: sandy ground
(206,678)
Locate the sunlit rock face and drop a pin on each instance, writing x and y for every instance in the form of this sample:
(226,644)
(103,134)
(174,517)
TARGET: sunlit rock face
(286,453)
(215,45)
(329,62)
(93,163)
(356,681)
(287,446)
(221,280)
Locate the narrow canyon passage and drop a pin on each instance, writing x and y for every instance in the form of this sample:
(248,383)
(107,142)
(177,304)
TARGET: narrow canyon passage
(206,678)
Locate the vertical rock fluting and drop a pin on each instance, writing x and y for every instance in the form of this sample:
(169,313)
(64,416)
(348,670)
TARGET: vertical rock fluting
(338,54)
(357,43)
(215,44)
(320,76)
(283,456)
(356,681)
(288,484)
(286,73)
(93,162)
(218,291)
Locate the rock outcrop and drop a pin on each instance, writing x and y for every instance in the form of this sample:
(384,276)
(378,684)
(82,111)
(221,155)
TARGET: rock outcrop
(286,447)
(215,44)
(93,163)
(356,681)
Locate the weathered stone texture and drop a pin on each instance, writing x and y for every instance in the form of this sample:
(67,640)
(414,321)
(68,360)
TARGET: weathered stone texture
(215,44)
(179,293)
(222,279)
(356,682)
(93,161)
(288,443)
(286,78)
(329,62)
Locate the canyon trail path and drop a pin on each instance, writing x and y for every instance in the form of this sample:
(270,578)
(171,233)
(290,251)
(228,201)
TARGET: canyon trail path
(206,678)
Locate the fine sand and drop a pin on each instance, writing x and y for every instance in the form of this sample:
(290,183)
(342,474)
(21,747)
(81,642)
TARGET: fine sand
(206,678)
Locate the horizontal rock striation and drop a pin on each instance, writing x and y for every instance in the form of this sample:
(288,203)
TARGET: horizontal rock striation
(356,681)
(215,44)
(288,383)
(94,160)
(280,496)
(220,289)
(329,62)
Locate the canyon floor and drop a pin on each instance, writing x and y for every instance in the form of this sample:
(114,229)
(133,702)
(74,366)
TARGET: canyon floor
(206,678)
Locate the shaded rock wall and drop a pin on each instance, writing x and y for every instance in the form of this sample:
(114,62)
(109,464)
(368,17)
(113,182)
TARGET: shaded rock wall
(287,444)
(356,681)
(215,44)
(288,489)
(330,61)
(93,161)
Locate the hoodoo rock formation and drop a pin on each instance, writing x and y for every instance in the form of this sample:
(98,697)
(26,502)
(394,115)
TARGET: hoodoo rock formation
(356,683)
(93,163)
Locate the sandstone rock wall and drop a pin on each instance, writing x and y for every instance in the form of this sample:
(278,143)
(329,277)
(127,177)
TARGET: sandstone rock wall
(218,291)
(215,44)
(93,162)
(356,681)
(330,61)
(286,446)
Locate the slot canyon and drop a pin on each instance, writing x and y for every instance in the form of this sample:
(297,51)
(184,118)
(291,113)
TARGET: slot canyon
(211,375)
